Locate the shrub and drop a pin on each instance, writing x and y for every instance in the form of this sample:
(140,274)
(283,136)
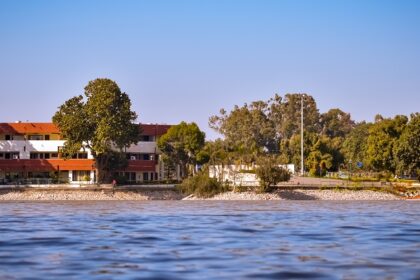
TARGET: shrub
(86,178)
(201,185)
(270,174)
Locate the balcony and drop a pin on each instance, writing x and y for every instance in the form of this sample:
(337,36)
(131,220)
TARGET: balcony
(30,145)
(143,147)
(141,165)
(45,165)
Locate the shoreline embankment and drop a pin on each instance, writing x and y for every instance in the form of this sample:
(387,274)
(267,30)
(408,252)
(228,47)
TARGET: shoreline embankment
(171,193)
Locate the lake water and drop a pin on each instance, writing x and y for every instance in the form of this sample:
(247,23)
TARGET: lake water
(210,240)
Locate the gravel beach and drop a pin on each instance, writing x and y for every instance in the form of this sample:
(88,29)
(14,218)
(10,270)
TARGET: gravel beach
(89,195)
(308,195)
(75,194)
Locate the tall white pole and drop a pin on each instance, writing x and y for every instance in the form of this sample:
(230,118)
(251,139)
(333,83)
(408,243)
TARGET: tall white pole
(301,136)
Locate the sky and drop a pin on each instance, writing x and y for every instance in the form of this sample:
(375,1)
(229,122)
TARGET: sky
(185,60)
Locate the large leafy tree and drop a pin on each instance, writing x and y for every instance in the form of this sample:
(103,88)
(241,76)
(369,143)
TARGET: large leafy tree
(336,123)
(285,113)
(247,128)
(181,145)
(101,121)
(408,148)
(355,144)
(382,142)
(260,127)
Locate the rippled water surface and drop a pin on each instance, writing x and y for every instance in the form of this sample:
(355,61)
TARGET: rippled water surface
(210,240)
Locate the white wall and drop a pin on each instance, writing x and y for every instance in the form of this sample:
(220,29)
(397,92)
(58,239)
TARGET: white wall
(25,147)
(143,147)
(232,173)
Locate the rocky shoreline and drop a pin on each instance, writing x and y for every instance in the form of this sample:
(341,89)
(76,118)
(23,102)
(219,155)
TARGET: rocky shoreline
(307,195)
(44,195)
(112,194)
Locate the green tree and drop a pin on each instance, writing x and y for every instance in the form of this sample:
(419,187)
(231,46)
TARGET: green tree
(181,145)
(216,152)
(247,128)
(285,113)
(261,127)
(321,153)
(336,123)
(355,145)
(290,148)
(320,158)
(382,141)
(201,185)
(101,121)
(408,147)
(270,173)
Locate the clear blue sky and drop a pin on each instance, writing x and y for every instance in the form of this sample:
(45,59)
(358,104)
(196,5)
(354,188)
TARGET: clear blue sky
(184,60)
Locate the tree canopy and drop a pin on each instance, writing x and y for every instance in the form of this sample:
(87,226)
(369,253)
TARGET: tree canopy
(101,121)
(408,147)
(382,141)
(332,140)
(181,145)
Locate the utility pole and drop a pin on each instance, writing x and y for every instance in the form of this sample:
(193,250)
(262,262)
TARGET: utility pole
(301,136)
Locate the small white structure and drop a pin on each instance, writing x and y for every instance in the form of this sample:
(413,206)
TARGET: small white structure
(240,175)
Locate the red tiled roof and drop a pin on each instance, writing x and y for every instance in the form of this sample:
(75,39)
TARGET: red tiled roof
(45,128)
(45,165)
(25,128)
(154,129)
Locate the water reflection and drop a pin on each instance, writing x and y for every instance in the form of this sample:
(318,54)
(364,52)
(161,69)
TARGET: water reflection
(203,239)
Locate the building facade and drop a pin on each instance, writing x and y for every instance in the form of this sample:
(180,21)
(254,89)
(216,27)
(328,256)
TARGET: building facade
(240,175)
(30,153)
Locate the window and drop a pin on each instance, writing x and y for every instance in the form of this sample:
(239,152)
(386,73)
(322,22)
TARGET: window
(80,175)
(145,176)
(79,156)
(145,138)
(145,157)
(82,155)
(34,156)
(1,155)
(37,155)
(8,137)
(35,137)
(13,155)
(46,137)
(134,156)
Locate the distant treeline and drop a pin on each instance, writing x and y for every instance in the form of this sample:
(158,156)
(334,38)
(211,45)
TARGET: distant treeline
(332,140)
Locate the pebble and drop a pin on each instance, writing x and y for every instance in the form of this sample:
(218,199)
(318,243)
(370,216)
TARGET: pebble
(173,195)
(305,195)
(89,195)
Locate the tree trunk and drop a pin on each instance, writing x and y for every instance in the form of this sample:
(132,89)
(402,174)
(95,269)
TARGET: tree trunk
(103,174)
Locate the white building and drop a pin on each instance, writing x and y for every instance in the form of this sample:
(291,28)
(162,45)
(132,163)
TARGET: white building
(240,175)
(31,152)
